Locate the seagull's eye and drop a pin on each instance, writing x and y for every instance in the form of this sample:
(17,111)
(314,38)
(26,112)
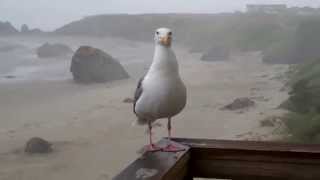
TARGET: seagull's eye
(157,32)
(170,33)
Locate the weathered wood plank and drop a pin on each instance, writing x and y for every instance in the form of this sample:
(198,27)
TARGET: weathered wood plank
(249,145)
(253,160)
(230,160)
(158,166)
(253,170)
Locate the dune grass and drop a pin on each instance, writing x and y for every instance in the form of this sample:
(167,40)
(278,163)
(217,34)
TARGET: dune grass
(303,121)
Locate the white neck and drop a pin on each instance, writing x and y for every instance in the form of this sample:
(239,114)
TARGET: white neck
(164,60)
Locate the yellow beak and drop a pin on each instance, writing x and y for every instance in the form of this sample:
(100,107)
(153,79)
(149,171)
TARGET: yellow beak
(166,40)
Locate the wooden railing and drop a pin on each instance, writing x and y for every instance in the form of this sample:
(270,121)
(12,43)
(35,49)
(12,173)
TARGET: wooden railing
(245,160)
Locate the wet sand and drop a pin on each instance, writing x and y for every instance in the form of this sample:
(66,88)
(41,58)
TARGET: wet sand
(90,126)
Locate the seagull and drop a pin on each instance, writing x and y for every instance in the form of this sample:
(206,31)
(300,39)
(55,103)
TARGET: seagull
(160,93)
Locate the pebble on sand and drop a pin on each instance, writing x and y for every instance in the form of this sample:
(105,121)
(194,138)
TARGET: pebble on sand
(239,103)
(38,145)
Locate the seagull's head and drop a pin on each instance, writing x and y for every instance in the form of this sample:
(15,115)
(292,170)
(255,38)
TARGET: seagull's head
(163,36)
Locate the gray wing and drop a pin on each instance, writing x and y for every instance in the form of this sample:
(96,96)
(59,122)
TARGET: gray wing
(137,93)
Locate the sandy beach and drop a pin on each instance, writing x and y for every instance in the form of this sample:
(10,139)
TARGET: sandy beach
(90,126)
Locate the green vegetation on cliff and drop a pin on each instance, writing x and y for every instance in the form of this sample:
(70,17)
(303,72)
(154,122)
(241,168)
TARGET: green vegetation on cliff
(303,121)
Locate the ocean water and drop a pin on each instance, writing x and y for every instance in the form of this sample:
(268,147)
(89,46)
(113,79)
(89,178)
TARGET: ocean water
(24,65)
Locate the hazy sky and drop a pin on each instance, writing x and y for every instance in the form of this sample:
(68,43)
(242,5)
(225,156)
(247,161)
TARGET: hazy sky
(50,14)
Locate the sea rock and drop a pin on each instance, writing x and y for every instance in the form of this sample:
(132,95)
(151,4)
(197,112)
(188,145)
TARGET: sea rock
(93,65)
(7,28)
(53,50)
(24,29)
(38,145)
(239,103)
(216,53)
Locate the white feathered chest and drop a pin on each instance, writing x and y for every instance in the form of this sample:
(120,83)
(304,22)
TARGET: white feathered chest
(164,93)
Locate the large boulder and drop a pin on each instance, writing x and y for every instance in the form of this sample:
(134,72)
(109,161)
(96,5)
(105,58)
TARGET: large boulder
(93,65)
(53,50)
(216,53)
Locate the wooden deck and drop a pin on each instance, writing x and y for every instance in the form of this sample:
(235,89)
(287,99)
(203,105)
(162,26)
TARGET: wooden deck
(245,160)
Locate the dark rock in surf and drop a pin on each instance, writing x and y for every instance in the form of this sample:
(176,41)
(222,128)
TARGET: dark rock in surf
(53,50)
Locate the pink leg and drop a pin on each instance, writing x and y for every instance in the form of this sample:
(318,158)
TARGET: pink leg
(171,147)
(151,147)
(169,128)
